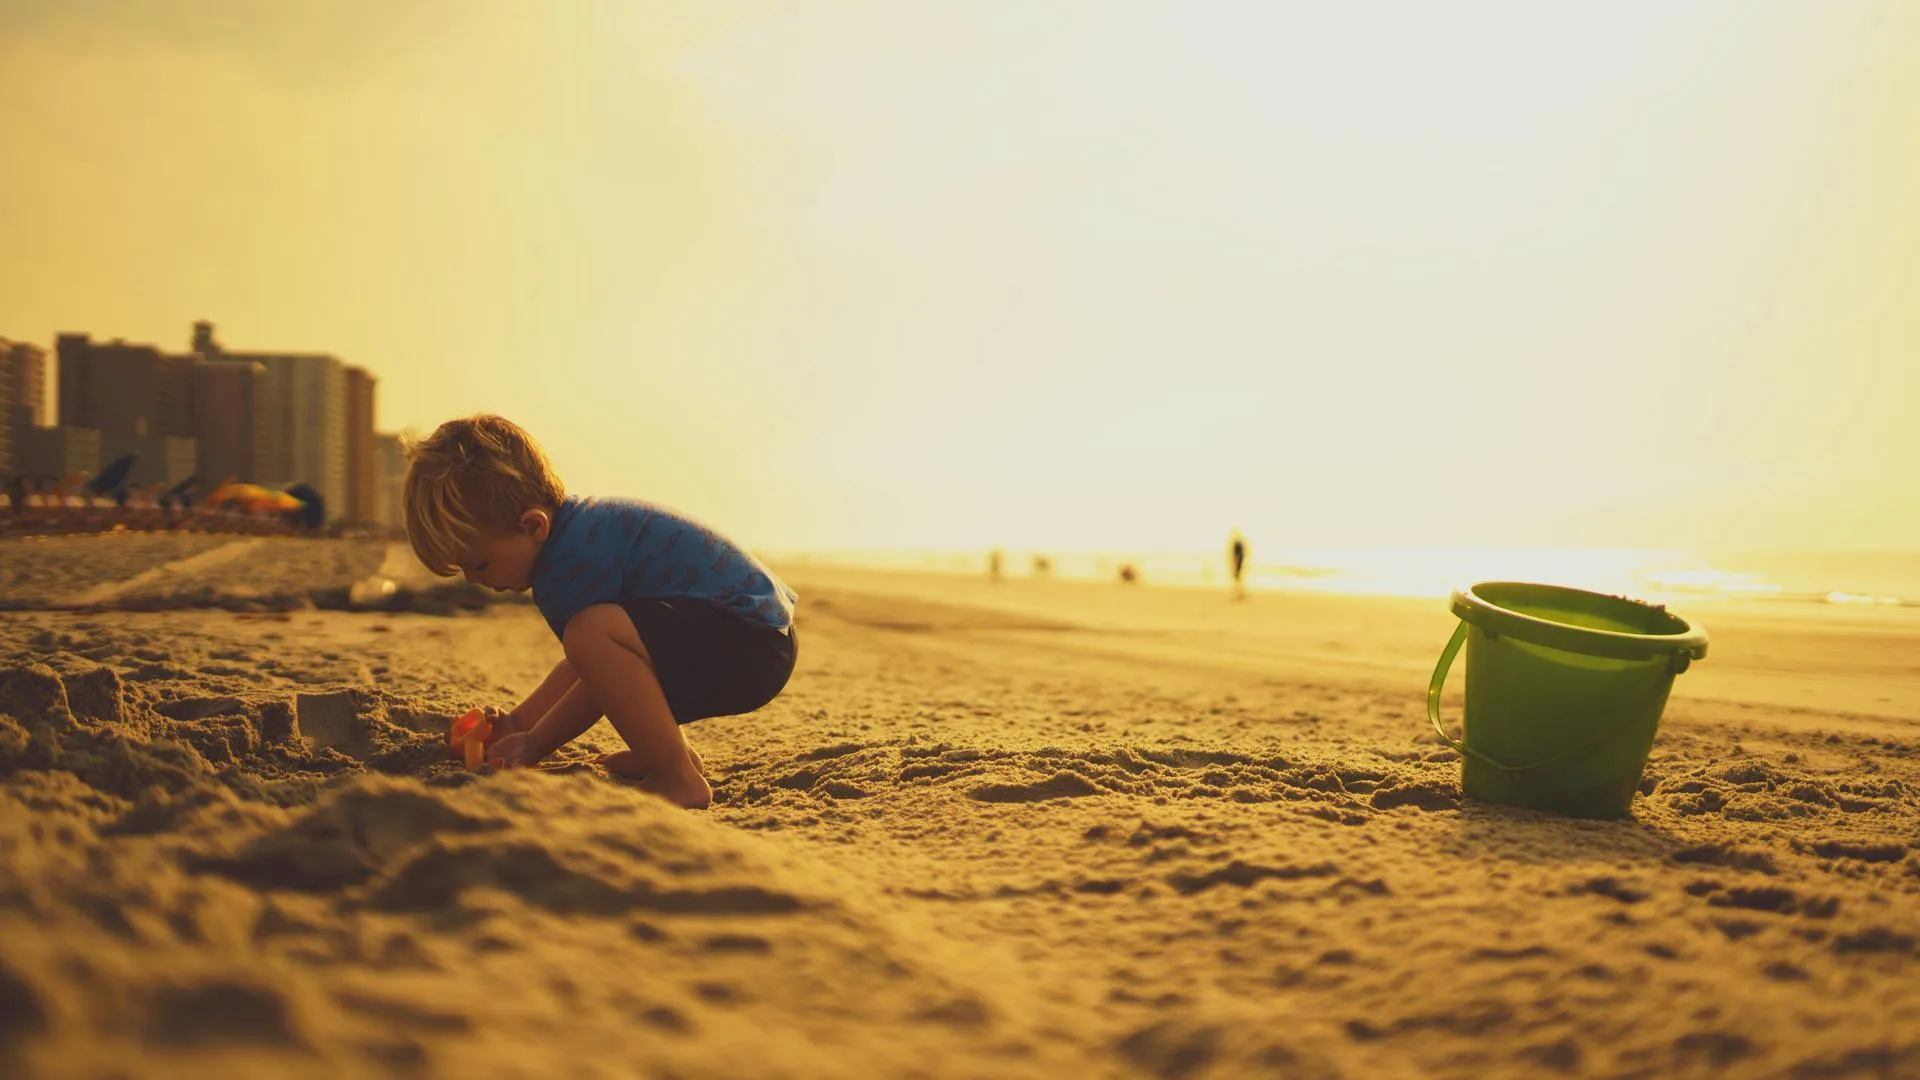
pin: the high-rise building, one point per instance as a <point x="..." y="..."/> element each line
<point x="120" y="389"/>
<point x="268" y="418"/>
<point x="390" y="509"/>
<point x="23" y="367"/>
<point x="229" y="411"/>
<point x="6" y="414"/>
<point x="306" y="423"/>
<point x="301" y="418"/>
<point x="23" y="397"/>
<point x="58" y="452"/>
<point x="158" y="459"/>
<point x="138" y="398"/>
<point x="362" y="466"/>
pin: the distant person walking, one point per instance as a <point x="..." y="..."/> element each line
<point x="1237" y="562"/>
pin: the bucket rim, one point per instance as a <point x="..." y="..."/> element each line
<point x="1472" y="607"/>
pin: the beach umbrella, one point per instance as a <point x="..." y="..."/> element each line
<point x="313" y="511"/>
<point x="181" y="493"/>
<point x="113" y="478"/>
<point x="247" y="496"/>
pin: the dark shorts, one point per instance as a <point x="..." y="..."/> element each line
<point x="710" y="661"/>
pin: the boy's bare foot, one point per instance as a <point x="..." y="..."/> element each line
<point x="626" y="763"/>
<point x="692" y="795"/>
<point x="692" y="792"/>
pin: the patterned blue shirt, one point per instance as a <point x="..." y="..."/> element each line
<point x="603" y="551"/>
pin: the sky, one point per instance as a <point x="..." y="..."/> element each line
<point x="1112" y="276"/>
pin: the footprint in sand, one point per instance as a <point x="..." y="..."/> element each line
<point x="1061" y="785"/>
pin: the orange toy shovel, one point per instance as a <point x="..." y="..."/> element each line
<point x="457" y="731"/>
<point x="468" y="737"/>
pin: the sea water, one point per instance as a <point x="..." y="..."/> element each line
<point x="1860" y="579"/>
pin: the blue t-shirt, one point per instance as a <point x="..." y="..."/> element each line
<point x="603" y="551"/>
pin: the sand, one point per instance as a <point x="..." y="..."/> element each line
<point x="1025" y="829"/>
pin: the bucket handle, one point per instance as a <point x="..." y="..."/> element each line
<point x="1433" y="715"/>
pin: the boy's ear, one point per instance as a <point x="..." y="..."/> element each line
<point x="536" y="522"/>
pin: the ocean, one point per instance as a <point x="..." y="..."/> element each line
<point x="1857" y="579"/>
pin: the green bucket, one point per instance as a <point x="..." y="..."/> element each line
<point x="1564" y="693"/>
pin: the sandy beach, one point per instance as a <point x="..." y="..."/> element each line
<point x="1025" y="829"/>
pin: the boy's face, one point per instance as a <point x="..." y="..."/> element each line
<point x="503" y="561"/>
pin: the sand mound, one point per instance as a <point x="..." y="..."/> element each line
<point x="130" y="739"/>
<point x="180" y="880"/>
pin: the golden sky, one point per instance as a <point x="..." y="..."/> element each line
<point x="1103" y="275"/>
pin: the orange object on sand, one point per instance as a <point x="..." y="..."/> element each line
<point x="476" y="748"/>
<point x="467" y="737"/>
<point x="457" y="732"/>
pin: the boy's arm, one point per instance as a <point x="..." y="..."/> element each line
<point x="528" y="713"/>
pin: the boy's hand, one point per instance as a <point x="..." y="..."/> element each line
<point x="512" y="752"/>
<point x="501" y="724"/>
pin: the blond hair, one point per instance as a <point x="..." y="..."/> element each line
<point x="478" y="472"/>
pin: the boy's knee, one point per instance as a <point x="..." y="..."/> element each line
<point x="599" y="626"/>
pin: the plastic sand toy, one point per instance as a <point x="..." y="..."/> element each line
<point x="467" y="737"/>
<point x="1564" y="693"/>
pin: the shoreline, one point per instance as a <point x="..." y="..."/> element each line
<point x="1294" y="580"/>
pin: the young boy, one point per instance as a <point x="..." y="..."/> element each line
<point x="663" y="622"/>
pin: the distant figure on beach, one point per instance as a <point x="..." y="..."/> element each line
<point x="993" y="565"/>
<point x="661" y="620"/>
<point x="1128" y="575"/>
<point x="1237" y="562"/>
<point x="1042" y="566"/>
